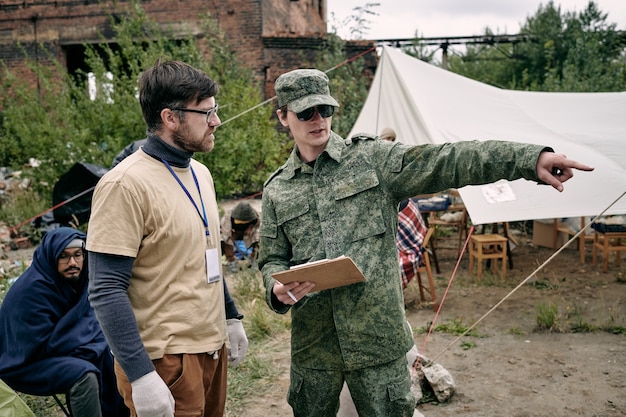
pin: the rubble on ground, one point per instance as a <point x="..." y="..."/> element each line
<point x="429" y="376"/>
<point x="12" y="181"/>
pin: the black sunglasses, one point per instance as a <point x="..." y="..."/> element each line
<point x="324" y="110"/>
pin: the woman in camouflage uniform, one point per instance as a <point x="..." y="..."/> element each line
<point x="338" y="196"/>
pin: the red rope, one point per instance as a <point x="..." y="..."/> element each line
<point x="14" y="228"/>
<point x="443" y="298"/>
<point x="354" y="58"/>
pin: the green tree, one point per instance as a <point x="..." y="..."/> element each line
<point x="595" y="59"/>
<point x="357" y="22"/>
<point x="350" y="94"/>
<point x="248" y="146"/>
<point x="60" y="125"/>
<point x="349" y="81"/>
<point x="488" y="63"/>
<point x="419" y="50"/>
<point x="563" y="52"/>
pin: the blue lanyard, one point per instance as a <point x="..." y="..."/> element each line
<point x="203" y="217"/>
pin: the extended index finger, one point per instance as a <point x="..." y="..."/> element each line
<point x="569" y="163"/>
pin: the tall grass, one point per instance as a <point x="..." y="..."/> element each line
<point x="268" y="335"/>
<point x="20" y="204"/>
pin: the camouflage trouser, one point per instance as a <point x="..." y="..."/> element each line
<point x="377" y="391"/>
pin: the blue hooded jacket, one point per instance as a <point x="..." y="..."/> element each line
<point x="49" y="335"/>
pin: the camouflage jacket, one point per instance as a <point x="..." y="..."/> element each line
<point x="347" y="204"/>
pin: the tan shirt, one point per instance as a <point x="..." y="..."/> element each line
<point x="154" y="221"/>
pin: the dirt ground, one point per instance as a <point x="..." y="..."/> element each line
<point x="511" y="368"/>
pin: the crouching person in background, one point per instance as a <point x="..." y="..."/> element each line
<point x="239" y="231"/>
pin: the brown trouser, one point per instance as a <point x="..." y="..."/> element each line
<point x="197" y="382"/>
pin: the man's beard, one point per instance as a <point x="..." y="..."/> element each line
<point x="181" y="139"/>
<point x="73" y="279"/>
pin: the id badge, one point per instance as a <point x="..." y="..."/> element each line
<point x="212" y="265"/>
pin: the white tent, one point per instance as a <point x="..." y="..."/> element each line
<point x="426" y="104"/>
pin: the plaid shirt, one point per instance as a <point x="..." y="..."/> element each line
<point x="411" y="231"/>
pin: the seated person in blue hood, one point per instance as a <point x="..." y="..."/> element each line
<point x="50" y="340"/>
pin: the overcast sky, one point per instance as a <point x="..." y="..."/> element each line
<point x="436" y="18"/>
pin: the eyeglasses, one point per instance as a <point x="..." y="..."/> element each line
<point x="209" y="113"/>
<point x="324" y="110"/>
<point x="64" y="258"/>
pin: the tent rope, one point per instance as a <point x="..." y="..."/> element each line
<point x="443" y="298"/>
<point x="269" y="100"/>
<point x="62" y="203"/>
<point x="526" y="279"/>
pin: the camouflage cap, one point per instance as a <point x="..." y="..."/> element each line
<point x="302" y="89"/>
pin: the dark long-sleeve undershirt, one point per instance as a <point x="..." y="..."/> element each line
<point x="113" y="279"/>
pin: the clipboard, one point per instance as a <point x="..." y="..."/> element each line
<point x="326" y="273"/>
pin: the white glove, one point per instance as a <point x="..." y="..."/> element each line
<point x="238" y="341"/>
<point x="151" y="397"/>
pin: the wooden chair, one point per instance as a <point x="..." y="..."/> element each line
<point x="457" y="229"/>
<point x="426" y="269"/>
<point x="445" y="231"/>
<point x="562" y="227"/>
<point x="606" y="243"/>
<point x="487" y="247"/>
<point x="502" y="229"/>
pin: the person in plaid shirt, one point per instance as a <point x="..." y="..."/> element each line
<point x="411" y="232"/>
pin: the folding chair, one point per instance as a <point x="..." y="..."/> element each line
<point x="64" y="407"/>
